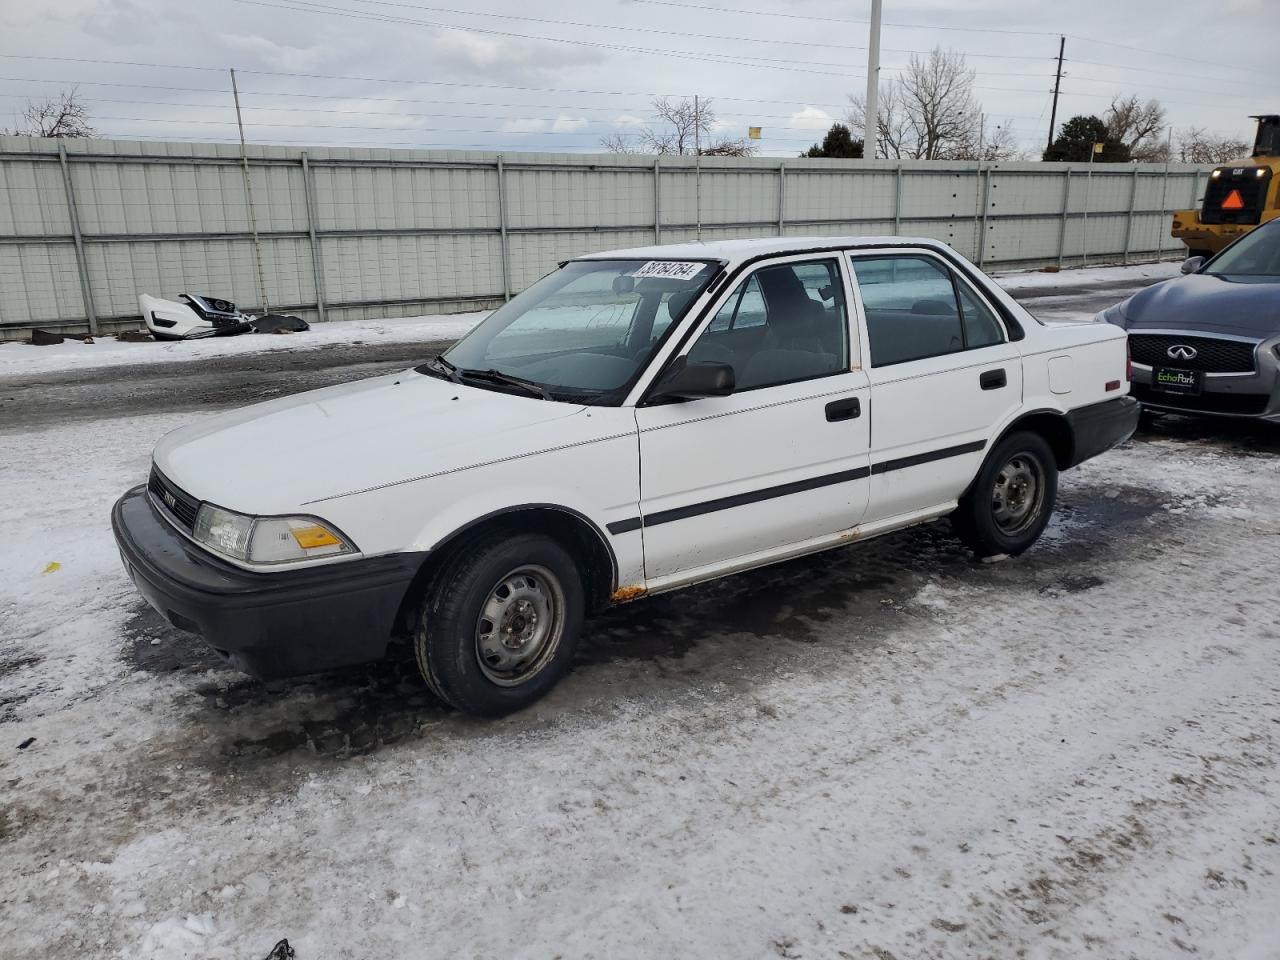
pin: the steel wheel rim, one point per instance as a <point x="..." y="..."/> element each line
<point x="520" y="625"/>
<point x="1017" y="495"/>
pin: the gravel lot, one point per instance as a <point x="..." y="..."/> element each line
<point x="885" y="751"/>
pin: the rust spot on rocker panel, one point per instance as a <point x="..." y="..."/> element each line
<point x="623" y="594"/>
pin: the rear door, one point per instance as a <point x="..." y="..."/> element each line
<point x="942" y="374"/>
<point x="727" y="481"/>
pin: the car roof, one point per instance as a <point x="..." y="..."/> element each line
<point x="735" y="251"/>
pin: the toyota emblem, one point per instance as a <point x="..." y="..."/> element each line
<point x="1181" y="351"/>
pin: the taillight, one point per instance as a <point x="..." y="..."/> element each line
<point x="1128" y="362"/>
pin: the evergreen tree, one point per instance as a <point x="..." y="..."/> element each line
<point x="838" y="142"/>
<point x="1076" y="139"/>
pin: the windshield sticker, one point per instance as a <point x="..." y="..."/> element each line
<point x="670" y="269"/>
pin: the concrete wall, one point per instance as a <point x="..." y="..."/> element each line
<point x="87" y="225"/>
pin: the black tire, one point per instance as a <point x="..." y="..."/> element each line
<point x="990" y="520"/>
<point x="540" y="616"/>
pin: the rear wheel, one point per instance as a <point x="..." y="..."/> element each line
<point x="500" y="623"/>
<point x="1010" y="502"/>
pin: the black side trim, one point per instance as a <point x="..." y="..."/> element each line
<point x="916" y="459"/>
<point x="786" y="489"/>
<point x="624" y="526"/>
<point x="739" y="500"/>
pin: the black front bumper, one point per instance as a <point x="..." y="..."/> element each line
<point x="1101" y="426"/>
<point x="269" y="625"/>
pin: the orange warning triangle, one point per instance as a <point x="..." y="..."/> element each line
<point x="1234" y="201"/>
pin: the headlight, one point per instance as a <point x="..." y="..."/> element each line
<point x="267" y="539"/>
<point x="1114" y="314"/>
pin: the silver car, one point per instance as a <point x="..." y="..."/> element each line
<point x="1208" y="342"/>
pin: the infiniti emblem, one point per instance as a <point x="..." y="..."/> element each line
<point x="1180" y="351"/>
<point x="170" y="499"/>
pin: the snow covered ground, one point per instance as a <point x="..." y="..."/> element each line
<point x="22" y="358"/>
<point x="886" y="751"/>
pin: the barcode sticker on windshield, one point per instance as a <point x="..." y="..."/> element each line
<point x="670" y="269"/>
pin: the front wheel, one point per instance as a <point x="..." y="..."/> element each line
<point x="1010" y="502"/>
<point x="500" y="624"/>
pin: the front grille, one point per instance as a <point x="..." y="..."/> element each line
<point x="1212" y="355"/>
<point x="180" y="505"/>
<point x="1240" y="404"/>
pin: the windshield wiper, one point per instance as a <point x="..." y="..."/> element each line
<point x="497" y="376"/>
<point x="442" y="366"/>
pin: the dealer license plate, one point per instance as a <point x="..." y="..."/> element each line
<point x="1172" y="380"/>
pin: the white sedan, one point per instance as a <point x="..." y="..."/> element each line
<point x="634" y="422"/>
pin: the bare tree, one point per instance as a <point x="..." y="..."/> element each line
<point x="1139" y="126"/>
<point x="680" y="127"/>
<point x="927" y="112"/>
<point x="65" y="115"/>
<point x="1197" y="145"/>
<point x="991" y="142"/>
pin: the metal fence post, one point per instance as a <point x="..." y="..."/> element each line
<point x="897" y="202"/>
<point x="317" y="258"/>
<point x="1066" y="205"/>
<point x="782" y="197"/>
<point x="82" y="266"/>
<point x="1164" y="212"/>
<point x="986" y="204"/>
<point x="1128" y="224"/>
<point x="502" y="229"/>
<point x="657" y="200"/>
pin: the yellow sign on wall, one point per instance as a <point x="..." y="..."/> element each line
<point x="753" y="133"/>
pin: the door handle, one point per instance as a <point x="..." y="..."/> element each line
<point x="847" y="409"/>
<point x="992" y="379"/>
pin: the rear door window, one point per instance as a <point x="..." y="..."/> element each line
<point x="916" y="308"/>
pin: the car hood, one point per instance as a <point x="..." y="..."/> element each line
<point x="277" y="456"/>
<point x="1243" y="306"/>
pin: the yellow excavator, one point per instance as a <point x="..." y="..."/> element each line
<point x="1238" y="197"/>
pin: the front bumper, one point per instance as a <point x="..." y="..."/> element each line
<point x="1100" y="426"/>
<point x="269" y="625"/>
<point x="1248" y="395"/>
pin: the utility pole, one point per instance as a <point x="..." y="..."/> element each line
<point x="248" y="195"/>
<point x="870" y="130"/>
<point x="1057" y="85"/>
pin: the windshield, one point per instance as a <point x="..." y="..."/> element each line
<point x="583" y="333"/>
<point x="1256" y="254"/>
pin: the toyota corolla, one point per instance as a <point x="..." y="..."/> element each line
<point x="634" y="422"/>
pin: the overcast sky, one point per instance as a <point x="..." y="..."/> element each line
<point x="536" y="75"/>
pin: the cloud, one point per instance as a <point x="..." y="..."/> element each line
<point x="810" y="118"/>
<point x="524" y="125"/>
<point x="278" y="56"/>
<point x="503" y="59"/>
<point x="565" y="124"/>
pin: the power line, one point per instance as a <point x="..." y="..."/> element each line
<point x="683" y="34"/>
<point x="304" y="6"/>
<point x="935" y="26"/>
<point x="400" y="81"/>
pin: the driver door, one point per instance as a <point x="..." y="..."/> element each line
<point x="781" y="463"/>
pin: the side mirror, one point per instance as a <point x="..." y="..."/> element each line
<point x="1192" y="264"/>
<point x="693" y="381"/>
